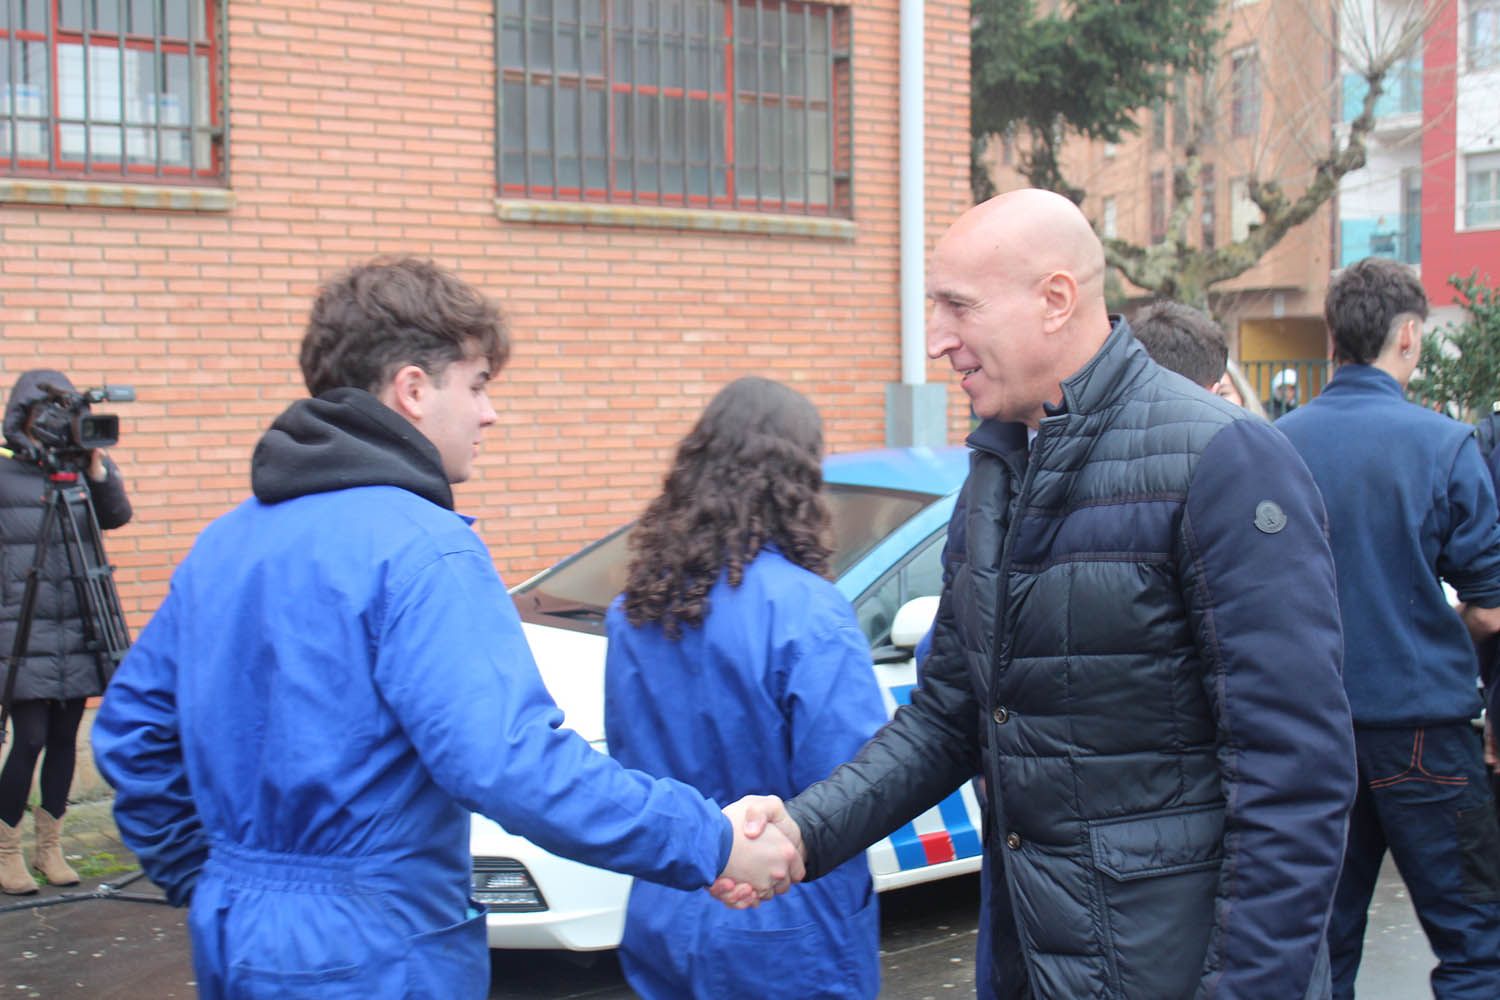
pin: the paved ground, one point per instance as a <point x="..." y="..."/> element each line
<point x="98" y="941"/>
<point x="111" y="937"/>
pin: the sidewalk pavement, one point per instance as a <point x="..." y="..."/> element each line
<point x="90" y="840"/>
<point x="106" y="945"/>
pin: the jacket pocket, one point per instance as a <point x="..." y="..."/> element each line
<point x="451" y="963"/>
<point x="1156" y="878"/>
<point x="345" y="982"/>
<point x="1479" y="851"/>
<point x="1163" y="843"/>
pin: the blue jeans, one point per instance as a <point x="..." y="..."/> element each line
<point x="1423" y="795"/>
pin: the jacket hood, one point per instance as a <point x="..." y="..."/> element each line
<point x="27" y="391"/>
<point x="343" y="439"/>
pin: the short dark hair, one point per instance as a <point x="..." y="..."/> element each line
<point x="1184" y="339"/>
<point x="1366" y="302"/>
<point x="377" y="317"/>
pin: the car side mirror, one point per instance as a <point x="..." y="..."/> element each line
<point x="913" y="621"/>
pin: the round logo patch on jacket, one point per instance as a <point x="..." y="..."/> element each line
<point x="1269" y="517"/>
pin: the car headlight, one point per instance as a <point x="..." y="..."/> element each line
<point x="504" y="885"/>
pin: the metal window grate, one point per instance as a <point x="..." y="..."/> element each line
<point x="724" y="104"/>
<point x="123" y="89"/>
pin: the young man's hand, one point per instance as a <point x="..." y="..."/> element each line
<point x="767" y="854"/>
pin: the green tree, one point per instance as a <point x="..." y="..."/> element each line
<point x="1461" y="362"/>
<point x="1084" y="69"/>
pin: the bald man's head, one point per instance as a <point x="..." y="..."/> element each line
<point x="1017" y="285"/>
<point x="1041" y="230"/>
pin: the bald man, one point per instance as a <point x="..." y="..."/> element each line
<point x="1138" y="646"/>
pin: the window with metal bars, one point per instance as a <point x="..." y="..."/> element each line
<point x="1209" y="192"/>
<point x="716" y="104"/>
<point x="111" y="89"/>
<point x="1483" y="29"/>
<point x="1158" y="206"/>
<point x="1482" y="190"/>
<point x="1244" y="85"/>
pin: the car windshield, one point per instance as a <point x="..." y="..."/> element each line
<point x="576" y="592"/>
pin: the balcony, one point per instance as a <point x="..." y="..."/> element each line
<point x="1398" y="111"/>
<point x="1398" y="237"/>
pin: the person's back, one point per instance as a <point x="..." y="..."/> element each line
<point x="1409" y="504"/>
<point x="768" y="691"/>
<point x="780" y="692"/>
<point x="289" y="739"/>
<point x="1384" y="468"/>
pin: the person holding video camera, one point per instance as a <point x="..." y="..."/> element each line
<point x="45" y="687"/>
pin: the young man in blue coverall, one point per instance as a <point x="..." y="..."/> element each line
<point x="1410" y="504"/>
<point x="337" y="677"/>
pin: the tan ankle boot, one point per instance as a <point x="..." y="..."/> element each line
<point x="49" y="857"/>
<point x="15" y="880"/>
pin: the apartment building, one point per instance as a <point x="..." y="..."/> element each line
<point x="1266" y="111"/>
<point x="1430" y="194"/>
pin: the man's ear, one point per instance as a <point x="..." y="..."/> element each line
<point x="1059" y="299"/>
<point x="406" y="392"/>
<point x="1411" y="336"/>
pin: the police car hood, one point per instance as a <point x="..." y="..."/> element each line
<point x="572" y="666"/>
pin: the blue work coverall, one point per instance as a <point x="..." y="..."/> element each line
<point x="771" y="693"/>
<point x="334" y="681"/>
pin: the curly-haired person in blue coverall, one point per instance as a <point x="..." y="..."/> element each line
<point x="337" y="677"/>
<point x="736" y="666"/>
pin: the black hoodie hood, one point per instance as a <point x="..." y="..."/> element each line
<point x="342" y="439"/>
<point x="28" y="391"/>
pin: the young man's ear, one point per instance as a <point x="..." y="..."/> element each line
<point x="1412" y="332"/>
<point x="406" y="393"/>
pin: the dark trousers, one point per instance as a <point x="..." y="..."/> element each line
<point x="1424" y="796"/>
<point x="50" y="726"/>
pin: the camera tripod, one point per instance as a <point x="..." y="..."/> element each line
<point x="68" y="509"/>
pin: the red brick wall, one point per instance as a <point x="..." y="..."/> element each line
<point x="360" y="128"/>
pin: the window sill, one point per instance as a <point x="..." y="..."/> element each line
<point x="94" y="194"/>
<point x="654" y="217"/>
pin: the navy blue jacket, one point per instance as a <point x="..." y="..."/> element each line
<point x="1410" y="504"/>
<point x="1138" y="640"/>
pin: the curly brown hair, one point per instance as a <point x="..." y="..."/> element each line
<point x="747" y="475"/>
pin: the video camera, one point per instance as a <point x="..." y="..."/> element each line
<point x="64" y="429"/>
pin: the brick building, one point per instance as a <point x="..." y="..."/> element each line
<point x="663" y="194"/>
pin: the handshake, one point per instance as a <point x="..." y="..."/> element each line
<point x="766" y="858"/>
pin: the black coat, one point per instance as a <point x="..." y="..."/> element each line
<point x="1138" y="645"/>
<point x="57" y="664"/>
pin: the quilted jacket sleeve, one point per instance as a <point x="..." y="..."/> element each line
<point x="1258" y="582"/>
<point x="918" y="758"/>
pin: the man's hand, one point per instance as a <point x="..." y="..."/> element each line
<point x="767" y="854"/>
<point x="1491" y="758"/>
<point x="1482" y="622"/>
<point x="98" y="471"/>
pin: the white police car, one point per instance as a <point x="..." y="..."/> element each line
<point x="890" y="516"/>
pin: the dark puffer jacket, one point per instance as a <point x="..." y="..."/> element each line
<point x="1139" y="647"/>
<point x="57" y="663"/>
